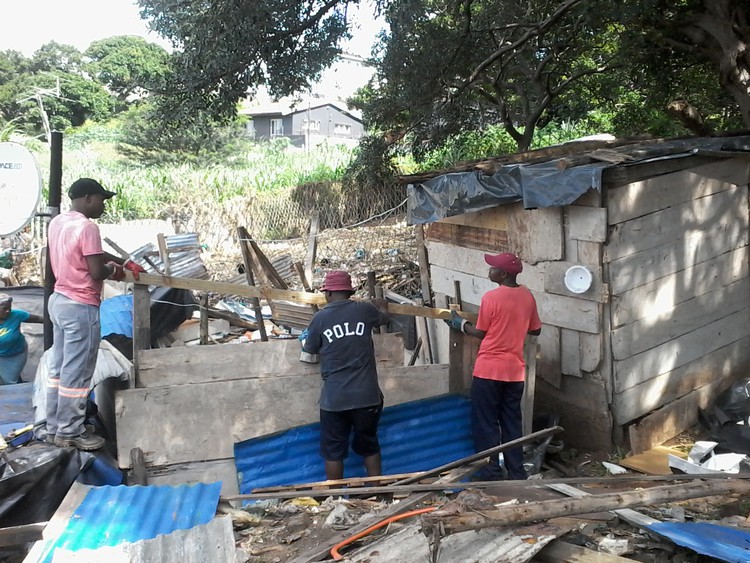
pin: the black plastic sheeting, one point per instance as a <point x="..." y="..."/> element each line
<point x="169" y="309"/>
<point x="544" y="184"/>
<point x="728" y="418"/>
<point x="33" y="482"/>
<point x="537" y="185"/>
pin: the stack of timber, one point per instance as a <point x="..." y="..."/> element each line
<point x="193" y="404"/>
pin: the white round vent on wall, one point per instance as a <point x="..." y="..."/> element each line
<point x="578" y="279"/>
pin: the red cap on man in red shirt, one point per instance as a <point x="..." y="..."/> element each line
<point x="505" y="261"/>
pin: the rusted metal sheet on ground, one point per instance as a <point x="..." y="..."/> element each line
<point x="501" y="545"/>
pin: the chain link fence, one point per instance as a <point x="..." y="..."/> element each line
<point x="358" y="232"/>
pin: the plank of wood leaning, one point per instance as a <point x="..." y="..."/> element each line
<point x="680" y="351"/>
<point x="645" y="397"/>
<point x="223" y="413"/>
<point x="660" y="192"/>
<point x="670" y="225"/>
<point x="570" y="353"/>
<point x="689" y="315"/>
<point x="659" y="296"/>
<point x="549" y="366"/>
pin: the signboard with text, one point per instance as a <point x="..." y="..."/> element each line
<point x="20" y="188"/>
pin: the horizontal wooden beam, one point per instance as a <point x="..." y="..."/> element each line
<point x="270" y="294"/>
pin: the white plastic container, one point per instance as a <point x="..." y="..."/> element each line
<point x="578" y="279"/>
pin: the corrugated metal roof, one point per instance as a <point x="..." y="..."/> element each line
<point x="185" y="262"/>
<point x="15" y="404"/>
<point x="112" y="515"/>
<point x="721" y="542"/>
<point x="207" y="543"/>
<point x="413" y="436"/>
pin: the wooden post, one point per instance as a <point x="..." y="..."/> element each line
<point x="54" y="200"/>
<point x="164" y="253"/>
<point x="424" y="265"/>
<point x="305" y="282"/>
<point x="427" y="338"/>
<point x="254" y="301"/>
<point x="371" y="291"/>
<point x="527" y="402"/>
<point x="204" y="319"/>
<point x="141" y="324"/>
<point x="380" y="295"/>
<point x="312" y="244"/>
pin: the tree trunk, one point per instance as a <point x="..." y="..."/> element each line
<point x="721" y="33"/>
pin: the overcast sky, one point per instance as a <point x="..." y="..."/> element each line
<point x="29" y="24"/>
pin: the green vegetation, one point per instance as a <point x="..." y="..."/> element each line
<point x="158" y="191"/>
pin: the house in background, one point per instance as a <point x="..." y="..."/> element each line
<point x="307" y="123"/>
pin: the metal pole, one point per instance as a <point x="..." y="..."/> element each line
<point x="54" y="200"/>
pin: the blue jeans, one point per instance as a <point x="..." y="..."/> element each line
<point x="76" y="334"/>
<point x="12" y="366"/>
<point x="496" y="419"/>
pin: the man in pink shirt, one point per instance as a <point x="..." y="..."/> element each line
<point x="506" y="315"/>
<point x="80" y="267"/>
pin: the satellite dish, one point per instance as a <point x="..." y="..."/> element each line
<point x="20" y="188"/>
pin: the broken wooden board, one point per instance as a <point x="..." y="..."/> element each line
<point x="223" y="470"/>
<point x="203" y="421"/>
<point x="224" y="362"/>
<point x="535" y="235"/>
<point x="652" y="462"/>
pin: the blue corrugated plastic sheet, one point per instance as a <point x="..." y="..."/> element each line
<point x="414" y="436"/>
<point x="113" y="515"/>
<point x="116" y="315"/>
<point x="721" y="542"/>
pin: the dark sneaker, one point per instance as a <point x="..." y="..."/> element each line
<point x="488" y="472"/>
<point x="87" y="441"/>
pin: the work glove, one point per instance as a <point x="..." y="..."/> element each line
<point x="455" y="322"/>
<point x="118" y="273"/>
<point x="134" y="267"/>
<point x="302" y="337"/>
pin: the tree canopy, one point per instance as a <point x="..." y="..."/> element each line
<point x="227" y="49"/>
<point x="128" y="65"/>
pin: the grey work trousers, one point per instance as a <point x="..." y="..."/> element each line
<point x="76" y="335"/>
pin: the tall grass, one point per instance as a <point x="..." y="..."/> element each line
<point x="265" y="169"/>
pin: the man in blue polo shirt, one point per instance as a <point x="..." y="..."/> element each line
<point x="350" y="398"/>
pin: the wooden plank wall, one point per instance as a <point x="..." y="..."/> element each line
<point x="199" y="401"/>
<point x="678" y="262"/>
<point x="548" y="241"/>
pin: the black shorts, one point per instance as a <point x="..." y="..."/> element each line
<point x="336" y="427"/>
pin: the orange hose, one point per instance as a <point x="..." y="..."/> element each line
<point x="335" y="549"/>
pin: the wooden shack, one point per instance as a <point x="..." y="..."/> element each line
<point x="662" y="227"/>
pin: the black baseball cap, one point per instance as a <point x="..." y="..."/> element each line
<point x="86" y="186"/>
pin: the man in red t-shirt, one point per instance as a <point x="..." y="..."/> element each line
<point x="506" y="315"/>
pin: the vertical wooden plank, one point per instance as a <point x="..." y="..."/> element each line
<point x="164" y="253"/>
<point x="247" y="259"/>
<point x="141" y="323"/>
<point x="570" y="352"/>
<point x="312" y="244"/>
<point x="204" y="320"/>
<point x="591" y="351"/>
<point x="530" y="350"/>
<point x="548" y="364"/>
<point x="424" y="265"/>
